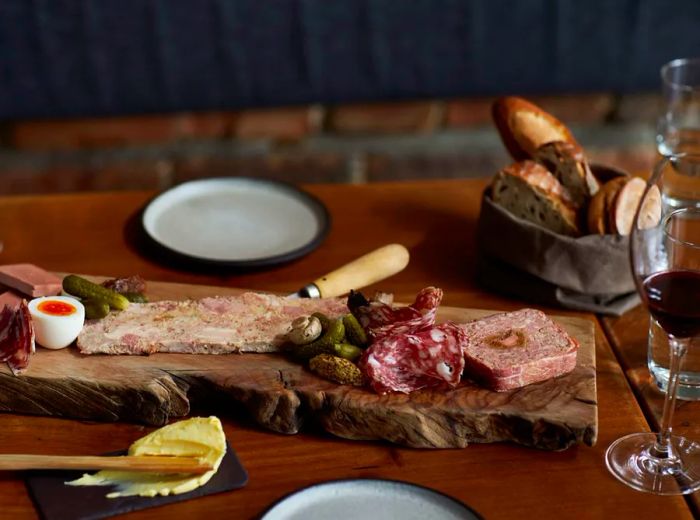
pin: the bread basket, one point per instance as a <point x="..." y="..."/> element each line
<point x="523" y="259"/>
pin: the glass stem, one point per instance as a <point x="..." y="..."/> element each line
<point x="678" y="347"/>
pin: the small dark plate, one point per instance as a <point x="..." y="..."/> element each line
<point x="236" y="221"/>
<point x="56" y="501"/>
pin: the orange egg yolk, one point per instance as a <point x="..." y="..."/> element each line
<point x="57" y="308"/>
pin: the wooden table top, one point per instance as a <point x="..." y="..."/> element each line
<point x="436" y="221"/>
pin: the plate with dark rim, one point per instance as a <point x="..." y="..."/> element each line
<point x="360" y="499"/>
<point x="236" y="221"/>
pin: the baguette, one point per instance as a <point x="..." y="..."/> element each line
<point x="525" y="127"/>
<point x="530" y="192"/>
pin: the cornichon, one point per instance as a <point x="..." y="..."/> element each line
<point x="135" y="297"/>
<point x="333" y="334"/>
<point x="354" y="331"/>
<point x="325" y="320"/>
<point x="95" y="309"/>
<point x="87" y="290"/>
<point x="347" y="351"/>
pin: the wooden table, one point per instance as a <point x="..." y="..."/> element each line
<point x="436" y="221"/>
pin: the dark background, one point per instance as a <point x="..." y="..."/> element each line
<point x="92" y="58"/>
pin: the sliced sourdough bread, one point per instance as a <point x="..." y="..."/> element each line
<point x="514" y="349"/>
<point x="568" y="164"/>
<point x="530" y="192"/>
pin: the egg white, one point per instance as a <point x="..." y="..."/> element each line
<point x="52" y="331"/>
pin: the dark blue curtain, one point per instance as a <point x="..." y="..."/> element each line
<point x="87" y="57"/>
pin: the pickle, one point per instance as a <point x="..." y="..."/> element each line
<point x="354" y="332"/>
<point x="325" y="320"/>
<point x="135" y="297"/>
<point x="95" y="309"/>
<point x="336" y="369"/>
<point x="347" y="351"/>
<point x="325" y="344"/>
<point x="87" y="290"/>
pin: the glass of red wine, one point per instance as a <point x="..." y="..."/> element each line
<point x="665" y="257"/>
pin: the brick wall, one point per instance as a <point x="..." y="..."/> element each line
<point x="353" y="143"/>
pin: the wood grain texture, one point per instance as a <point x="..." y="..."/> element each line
<point x="283" y="396"/>
<point x="628" y="335"/>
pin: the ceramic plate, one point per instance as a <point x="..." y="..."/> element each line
<point x="236" y="221"/>
<point x="360" y="499"/>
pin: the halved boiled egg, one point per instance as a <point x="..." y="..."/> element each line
<point x="57" y="320"/>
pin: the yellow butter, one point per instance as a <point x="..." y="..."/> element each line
<point x="201" y="437"/>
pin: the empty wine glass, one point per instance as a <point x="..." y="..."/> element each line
<point x="678" y="127"/>
<point x="665" y="257"/>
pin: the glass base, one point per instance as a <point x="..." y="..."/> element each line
<point x="634" y="460"/>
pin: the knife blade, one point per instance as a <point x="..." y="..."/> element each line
<point x="361" y="272"/>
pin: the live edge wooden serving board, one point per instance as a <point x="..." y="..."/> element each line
<point x="283" y="396"/>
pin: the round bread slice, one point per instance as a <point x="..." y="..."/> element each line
<point x="598" y="208"/>
<point x="530" y="192"/>
<point x="524" y="127"/>
<point x="567" y="163"/>
<point x="650" y="213"/>
<point x="626" y="203"/>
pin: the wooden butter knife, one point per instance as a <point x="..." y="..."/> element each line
<point x="366" y="270"/>
<point x="151" y="464"/>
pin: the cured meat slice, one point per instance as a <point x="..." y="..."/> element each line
<point x="380" y="319"/>
<point x="16" y="337"/>
<point x="431" y="358"/>
<point x="250" y="322"/>
<point x="30" y="279"/>
<point x="513" y="349"/>
<point x="129" y="284"/>
<point x="10" y="298"/>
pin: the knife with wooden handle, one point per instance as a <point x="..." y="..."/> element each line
<point x="366" y="270"/>
<point x="151" y="464"/>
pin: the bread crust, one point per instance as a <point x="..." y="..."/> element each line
<point x="599" y="207"/>
<point x="524" y="127"/>
<point x="529" y="191"/>
<point x="626" y="203"/>
<point x="567" y="162"/>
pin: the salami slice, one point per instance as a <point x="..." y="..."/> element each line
<point x="380" y="319"/>
<point x="431" y="358"/>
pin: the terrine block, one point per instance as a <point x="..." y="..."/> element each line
<point x="514" y="349"/>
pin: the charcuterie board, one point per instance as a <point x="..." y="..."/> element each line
<point x="284" y="397"/>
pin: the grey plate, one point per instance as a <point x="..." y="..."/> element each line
<point x="236" y="221"/>
<point x="360" y="499"/>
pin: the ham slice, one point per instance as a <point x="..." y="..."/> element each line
<point x="10" y="298"/>
<point x="16" y="337"/>
<point x="30" y="280"/>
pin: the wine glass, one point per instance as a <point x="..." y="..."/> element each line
<point x="665" y="257"/>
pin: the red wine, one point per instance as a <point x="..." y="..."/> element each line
<point x="674" y="300"/>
